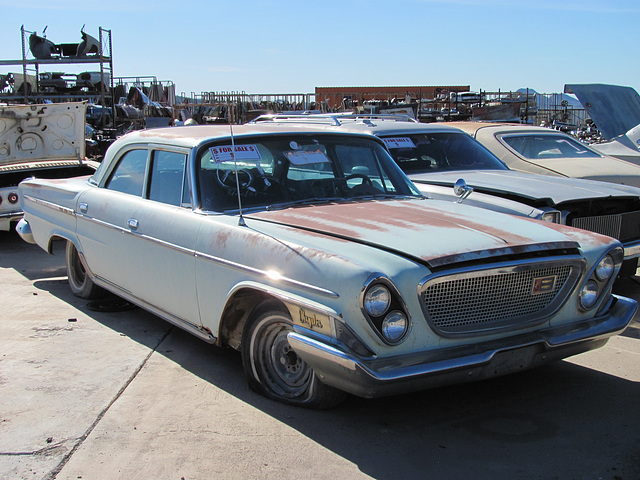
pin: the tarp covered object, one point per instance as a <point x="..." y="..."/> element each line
<point x="614" y="109"/>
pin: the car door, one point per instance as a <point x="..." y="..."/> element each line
<point x="141" y="231"/>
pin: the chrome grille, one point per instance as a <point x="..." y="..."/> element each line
<point x="478" y="301"/>
<point x="623" y="226"/>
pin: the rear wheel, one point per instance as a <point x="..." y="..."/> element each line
<point x="81" y="285"/>
<point x="274" y="369"/>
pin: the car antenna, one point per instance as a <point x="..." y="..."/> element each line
<point x="235" y="166"/>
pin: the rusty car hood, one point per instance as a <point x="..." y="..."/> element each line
<point x="434" y="232"/>
<point x="49" y="132"/>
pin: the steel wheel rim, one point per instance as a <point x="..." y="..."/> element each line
<point x="277" y="364"/>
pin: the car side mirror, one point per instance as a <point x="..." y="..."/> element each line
<point x="461" y="189"/>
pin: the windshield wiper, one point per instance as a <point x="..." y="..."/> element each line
<point x="383" y="196"/>
<point x="303" y="202"/>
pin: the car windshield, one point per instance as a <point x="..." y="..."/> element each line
<point x="437" y="152"/>
<point x="538" y="146"/>
<point x="277" y="171"/>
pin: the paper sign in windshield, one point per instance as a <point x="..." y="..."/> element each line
<point x="399" y="142"/>
<point x="243" y="152"/>
<point x="302" y="157"/>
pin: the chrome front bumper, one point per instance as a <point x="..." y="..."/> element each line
<point x="379" y="377"/>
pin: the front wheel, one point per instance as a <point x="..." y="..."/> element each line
<point x="81" y="285"/>
<point x="274" y="369"/>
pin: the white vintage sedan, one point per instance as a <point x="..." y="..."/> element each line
<point x="312" y="254"/>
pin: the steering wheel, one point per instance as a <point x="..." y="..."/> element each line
<point x="228" y="178"/>
<point x="365" y="179"/>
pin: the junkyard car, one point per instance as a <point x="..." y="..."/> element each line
<point x="45" y="141"/>
<point x="532" y="149"/>
<point x="436" y="157"/>
<point x="312" y="254"/>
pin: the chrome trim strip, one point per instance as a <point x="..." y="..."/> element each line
<point x="102" y="223"/>
<point x="256" y="271"/>
<point x="128" y="231"/>
<point x="172" y="319"/>
<point x="11" y="215"/>
<point x="103" y="281"/>
<point x="55" y="206"/>
<point x="212" y="258"/>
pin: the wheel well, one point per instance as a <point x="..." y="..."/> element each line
<point x="52" y="240"/>
<point x="240" y="308"/>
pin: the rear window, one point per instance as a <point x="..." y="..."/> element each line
<point x="548" y="146"/>
<point x="438" y="152"/>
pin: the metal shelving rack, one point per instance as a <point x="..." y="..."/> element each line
<point x="32" y="67"/>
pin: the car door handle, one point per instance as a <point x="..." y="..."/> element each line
<point x="133" y="223"/>
<point x="83" y="207"/>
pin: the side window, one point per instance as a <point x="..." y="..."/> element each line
<point x="167" y="177"/>
<point x="186" y="193"/>
<point x="128" y="177"/>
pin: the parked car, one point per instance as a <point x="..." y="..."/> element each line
<point x="437" y="157"/>
<point x="532" y="149"/>
<point x="45" y="141"/>
<point x="313" y="254"/>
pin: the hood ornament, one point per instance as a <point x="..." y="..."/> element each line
<point x="461" y="189"/>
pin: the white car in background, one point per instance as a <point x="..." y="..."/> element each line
<point x="447" y="164"/>
<point x="541" y="150"/>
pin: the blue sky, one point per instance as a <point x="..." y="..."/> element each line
<point x="293" y="46"/>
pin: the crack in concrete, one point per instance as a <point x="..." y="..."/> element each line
<point x="52" y="449"/>
<point x="54" y="473"/>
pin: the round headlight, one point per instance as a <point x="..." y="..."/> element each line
<point x="394" y="326"/>
<point x="377" y="300"/>
<point x="604" y="270"/>
<point x="589" y="294"/>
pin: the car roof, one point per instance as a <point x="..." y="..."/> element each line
<point x="377" y="124"/>
<point x="381" y="127"/>
<point x="192" y="136"/>
<point x="473" y="127"/>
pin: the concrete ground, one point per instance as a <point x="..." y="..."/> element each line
<point x="97" y="394"/>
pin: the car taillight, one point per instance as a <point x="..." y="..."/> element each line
<point x="13" y="197"/>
